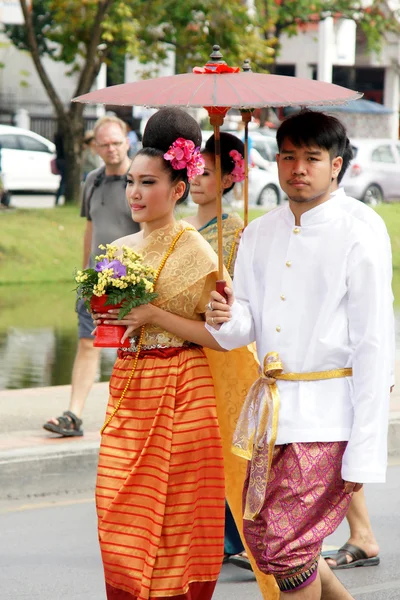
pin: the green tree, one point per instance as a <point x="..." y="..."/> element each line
<point x="85" y="33"/>
<point x="192" y="27"/>
<point x="78" y="33"/>
<point x="288" y="16"/>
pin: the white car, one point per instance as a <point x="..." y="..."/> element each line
<point x="264" y="189"/>
<point x="373" y="175"/>
<point x="25" y="161"/>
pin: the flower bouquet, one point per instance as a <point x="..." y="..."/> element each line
<point x="119" y="279"/>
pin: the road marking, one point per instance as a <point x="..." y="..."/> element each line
<point x="378" y="587"/>
<point x="26" y="507"/>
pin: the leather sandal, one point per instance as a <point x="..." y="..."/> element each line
<point x="358" y="558"/>
<point x="68" y="425"/>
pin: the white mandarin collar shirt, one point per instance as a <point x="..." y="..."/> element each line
<point x="377" y="226"/>
<point x="317" y="294"/>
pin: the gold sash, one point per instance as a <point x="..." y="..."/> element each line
<point x="257" y="419"/>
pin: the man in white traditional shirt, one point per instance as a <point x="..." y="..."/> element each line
<point x="311" y="291"/>
<point x="362" y="548"/>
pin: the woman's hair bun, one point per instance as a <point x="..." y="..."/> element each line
<point x="166" y="125"/>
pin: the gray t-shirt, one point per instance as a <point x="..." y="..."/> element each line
<point x="104" y="203"/>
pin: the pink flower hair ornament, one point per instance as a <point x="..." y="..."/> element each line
<point x="183" y="154"/>
<point x="238" y="170"/>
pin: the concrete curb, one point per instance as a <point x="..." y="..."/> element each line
<point x="44" y="471"/>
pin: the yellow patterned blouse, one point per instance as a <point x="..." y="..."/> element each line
<point x="186" y="280"/>
<point x="232" y="227"/>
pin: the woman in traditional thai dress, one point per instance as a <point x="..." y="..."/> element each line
<point x="233" y="372"/>
<point x="160" y="486"/>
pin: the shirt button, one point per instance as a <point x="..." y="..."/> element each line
<point x="278" y="328"/>
<point x="288" y="263"/>
<point x="283" y="297"/>
<point x="296" y="230"/>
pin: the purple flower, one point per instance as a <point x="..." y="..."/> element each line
<point x="118" y="268"/>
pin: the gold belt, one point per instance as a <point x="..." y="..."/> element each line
<point x="257" y="418"/>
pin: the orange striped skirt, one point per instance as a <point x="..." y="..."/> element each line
<point x="160" y="483"/>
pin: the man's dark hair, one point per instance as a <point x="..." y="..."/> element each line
<point x="347" y="156"/>
<point x="309" y="128"/>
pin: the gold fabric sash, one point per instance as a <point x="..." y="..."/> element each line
<point x="259" y="417"/>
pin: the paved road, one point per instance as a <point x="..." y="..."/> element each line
<point x="49" y="551"/>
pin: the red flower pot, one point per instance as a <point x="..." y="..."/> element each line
<point x="107" y="336"/>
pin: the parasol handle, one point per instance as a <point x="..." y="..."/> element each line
<point x="220" y="288"/>
<point x="218" y="176"/>
<point x="246" y="118"/>
<point x="246" y="175"/>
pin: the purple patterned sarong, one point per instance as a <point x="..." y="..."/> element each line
<point x="304" y="503"/>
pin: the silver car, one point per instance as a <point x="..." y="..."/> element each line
<point x="373" y="175"/>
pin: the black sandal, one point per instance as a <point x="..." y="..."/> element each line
<point x="68" y="425"/>
<point x="240" y="561"/>
<point x="358" y="558"/>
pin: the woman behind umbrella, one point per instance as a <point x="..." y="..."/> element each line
<point x="204" y="194"/>
<point x="160" y="486"/>
<point x="233" y="372"/>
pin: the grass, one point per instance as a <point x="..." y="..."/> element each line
<point x="30" y="306"/>
<point x="44" y="246"/>
<point x="390" y="213"/>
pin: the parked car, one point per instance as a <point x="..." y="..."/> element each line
<point x="264" y="188"/>
<point x="264" y="144"/>
<point x="373" y="175"/>
<point x="25" y="161"/>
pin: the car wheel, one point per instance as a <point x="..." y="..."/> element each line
<point x="269" y="197"/>
<point x="373" y="195"/>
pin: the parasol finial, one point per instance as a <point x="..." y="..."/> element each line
<point x="246" y="66"/>
<point x="216" y="56"/>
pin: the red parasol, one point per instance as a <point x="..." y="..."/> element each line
<point x="218" y="87"/>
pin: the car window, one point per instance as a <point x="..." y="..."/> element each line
<point x="383" y="154"/>
<point x="355" y="150"/>
<point x="398" y="149"/>
<point x="29" y="143"/>
<point x="272" y="147"/>
<point x="9" y="141"/>
<point x="261" y="148"/>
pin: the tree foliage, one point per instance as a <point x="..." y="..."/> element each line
<point x="191" y="27"/>
<point x="85" y="33"/>
<point x="64" y="29"/>
<point x="374" y="18"/>
<point x="145" y="29"/>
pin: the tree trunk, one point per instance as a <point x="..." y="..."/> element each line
<point x="71" y="126"/>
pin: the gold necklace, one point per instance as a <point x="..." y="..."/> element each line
<point x="142" y="329"/>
